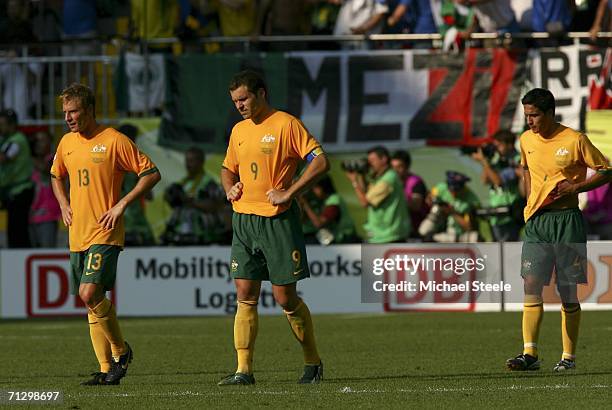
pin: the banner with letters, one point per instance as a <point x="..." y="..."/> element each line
<point x="351" y="100"/>
<point x="344" y="279"/>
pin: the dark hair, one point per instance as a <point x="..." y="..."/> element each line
<point x="403" y="156"/>
<point x="197" y="151"/>
<point x="82" y="93"/>
<point x="252" y="80"/>
<point x="380" y="151"/>
<point x="130" y="131"/>
<point x="10" y="115"/>
<point x="504" y="136"/>
<point x="326" y="185"/>
<point x="541" y="98"/>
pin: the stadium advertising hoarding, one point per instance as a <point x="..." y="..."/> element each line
<point x="349" y="99"/>
<point x="195" y="281"/>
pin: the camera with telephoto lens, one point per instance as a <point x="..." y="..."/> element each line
<point x="355" y="165"/>
<point x="488" y="150"/>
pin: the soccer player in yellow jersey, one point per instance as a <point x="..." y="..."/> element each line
<point x="94" y="158"/>
<point x="555" y="159"/>
<point x="257" y="175"/>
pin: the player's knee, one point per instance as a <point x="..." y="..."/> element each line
<point x="89" y="297"/>
<point x="288" y="302"/>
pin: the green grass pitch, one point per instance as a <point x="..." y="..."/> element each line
<point x="412" y="360"/>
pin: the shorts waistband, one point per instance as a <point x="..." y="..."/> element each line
<point x="553" y="211"/>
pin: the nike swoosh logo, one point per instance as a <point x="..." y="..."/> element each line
<point x="530" y="152"/>
<point x="297" y="272"/>
<point x="89" y="273"/>
<point x="68" y="153"/>
<point x="240" y="143"/>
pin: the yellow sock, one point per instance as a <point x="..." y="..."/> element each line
<point x="301" y="325"/>
<point x="100" y="344"/>
<point x="107" y="319"/>
<point x="570" y="324"/>
<point x="246" y="324"/>
<point x="533" y="312"/>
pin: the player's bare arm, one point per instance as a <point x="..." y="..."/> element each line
<point x="231" y="185"/>
<point x="314" y="170"/>
<point x="109" y="219"/>
<point x="566" y="187"/>
<point x="59" y="190"/>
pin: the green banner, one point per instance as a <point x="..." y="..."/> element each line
<point x="198" y="108"/>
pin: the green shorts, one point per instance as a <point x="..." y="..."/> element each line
<point x="555" y="240"/>
<point x="269" y="248"/>
<point x="98" y="264"/>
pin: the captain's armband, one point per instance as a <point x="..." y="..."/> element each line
<point x="313" y="154"/>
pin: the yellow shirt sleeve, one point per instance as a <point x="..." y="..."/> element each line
<point x="58" y="168"/>
<point x="592" y="157"/>
<point x="303" y="142"/>
<point x="231" y="159"/>
<point x="130" y="159"/>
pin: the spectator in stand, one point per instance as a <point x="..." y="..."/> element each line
<point x="324" y="14"/>
<point x="492" y="16"/>
<point x="604" y="10"/>
<point x="418" y="14"/>
<point x="16" y="188"/>
<point x="80" y="23"/>
<point x="457" y="20"/>
<point x="16" y="30"/>
<point x="237" y="18"/>
<point x="361" y="17"/>
<point x="285" y="18"/>
<point x="333" y="222"/>
<point x="399" y="17"/>
<point x="415" y="190"/>
<point x="554" y="17"/>
<point x="154" y="19"/>
<point x="138" y="232"/>
<point x="45" y="211"/>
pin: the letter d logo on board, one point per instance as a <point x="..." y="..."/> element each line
<point x="48" y="287"/>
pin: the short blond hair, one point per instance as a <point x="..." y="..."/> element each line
<point x="80" y="92"/>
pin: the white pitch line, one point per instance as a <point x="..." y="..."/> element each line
<point x="343" y="390"/>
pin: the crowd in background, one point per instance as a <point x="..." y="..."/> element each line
<point x="30" y="21"/>
<point x="398" y="203"/>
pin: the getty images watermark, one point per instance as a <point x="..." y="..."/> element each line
<point x="431" y="274"/>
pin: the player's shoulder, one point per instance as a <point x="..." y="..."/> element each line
<point x="526" y="136"/>
<point x="69" y="138"/>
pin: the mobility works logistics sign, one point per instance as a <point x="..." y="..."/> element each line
<point x="195" y="281"/>
<point x="172" y="282"/>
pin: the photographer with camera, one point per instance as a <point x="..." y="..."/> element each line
<point x="452" y="214"/>
<point x="501" y="172"/>
<point x="380" y="190"/>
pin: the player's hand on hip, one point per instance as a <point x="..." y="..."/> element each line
<point x="66" y="215"/>
<point x="235" y="192"/>
<point x="277" y="197"/>
<point x="109" y="219"/>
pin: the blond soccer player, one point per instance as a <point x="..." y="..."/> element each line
<point x="94" y="158"/>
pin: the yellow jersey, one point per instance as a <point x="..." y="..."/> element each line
<point x="266" y="156"/>
<point x="566" y="155"/>
<point x="95" y="168"/>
